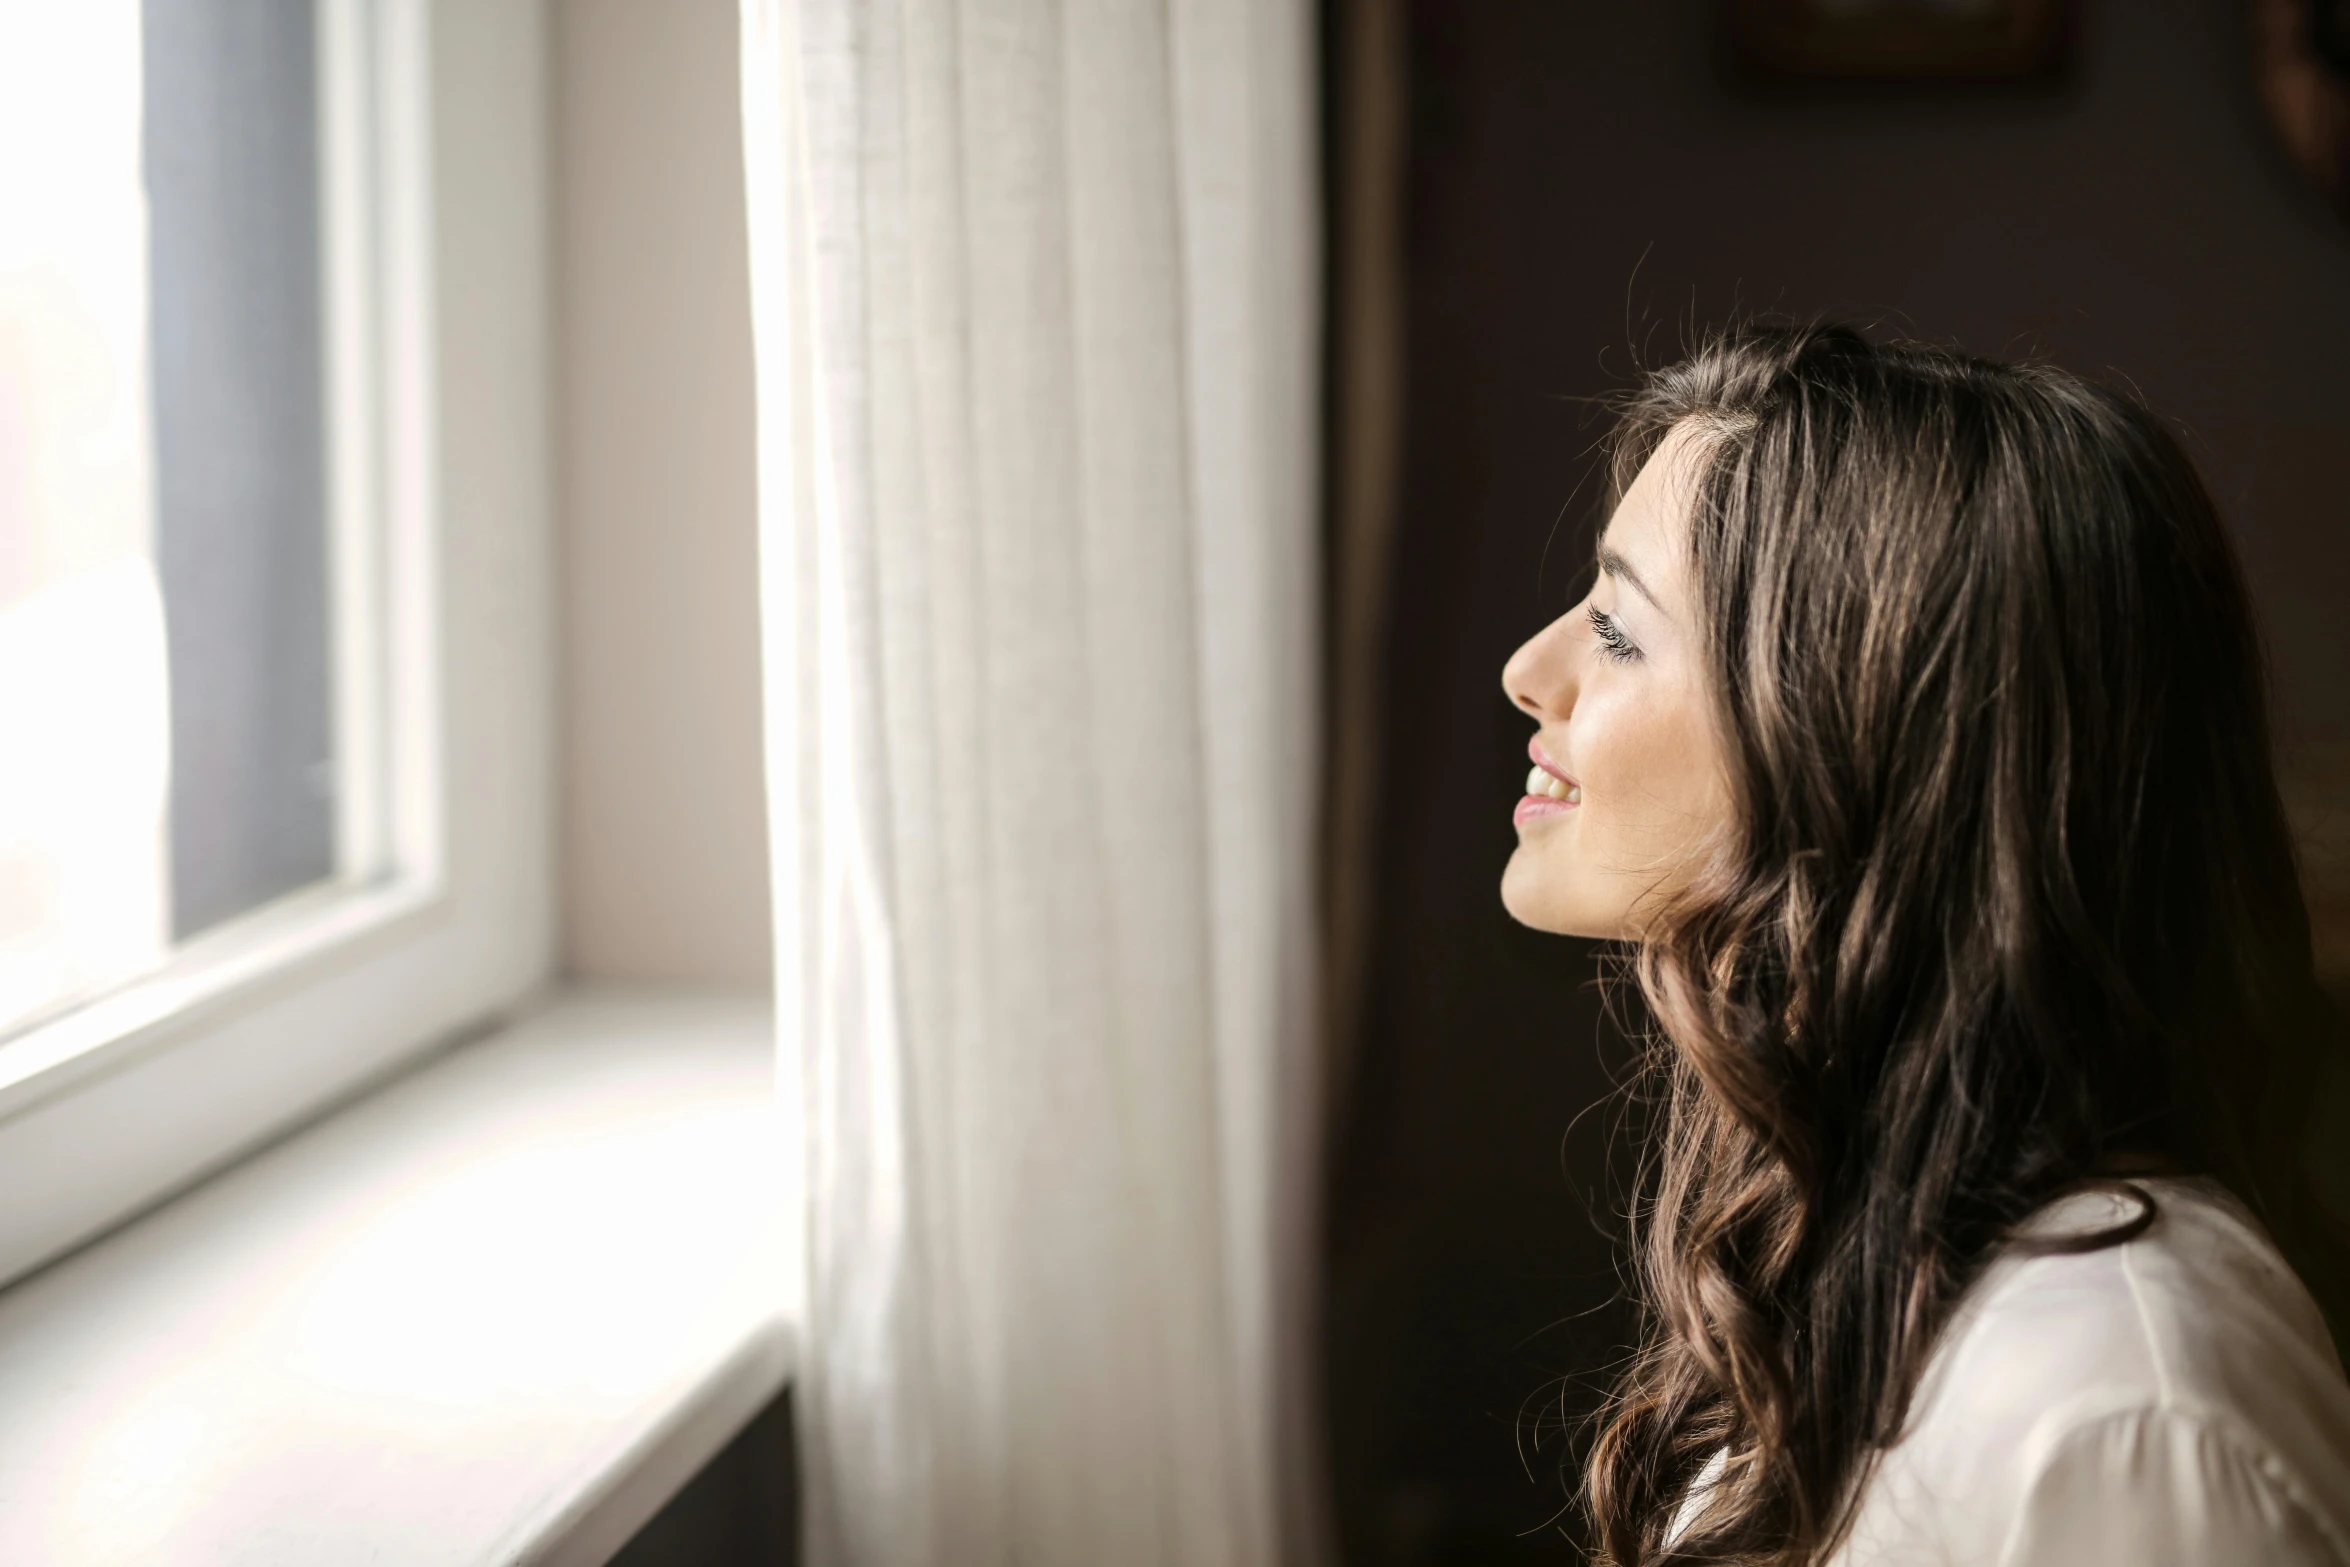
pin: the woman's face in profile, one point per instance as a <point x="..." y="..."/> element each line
<point x="1628" y="791"/>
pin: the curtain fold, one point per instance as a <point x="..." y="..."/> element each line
<point x="1034" y="288"/>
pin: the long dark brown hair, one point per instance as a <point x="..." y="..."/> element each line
<point x="2010" y="907"/>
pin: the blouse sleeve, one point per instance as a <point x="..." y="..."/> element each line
<point x="2163" y="1488"/>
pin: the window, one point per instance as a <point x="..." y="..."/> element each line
<point x="273" y="795"/>
<point x="165" y="668"/>
<point x="238" y="356"/>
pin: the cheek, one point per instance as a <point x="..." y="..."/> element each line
<point x="1655" y="797"/>
<point x="1653" y="781"/>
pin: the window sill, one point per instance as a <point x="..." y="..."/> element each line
<point x="498" y="1311"/>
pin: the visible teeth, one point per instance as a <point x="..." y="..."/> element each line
<point x="1540" y="782"/>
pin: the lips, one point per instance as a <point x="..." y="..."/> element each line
<point x="1549" y="791"/>
<point x="1547" y="780"/>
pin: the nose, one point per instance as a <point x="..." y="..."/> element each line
<point x="1539" y="678"/>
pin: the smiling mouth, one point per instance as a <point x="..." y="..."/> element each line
<point x="1549" y="792"/>
<point x="1545" y="781"/>
<point x="1549" y="786"/>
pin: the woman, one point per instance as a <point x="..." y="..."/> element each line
<point x="1913" y="736"/>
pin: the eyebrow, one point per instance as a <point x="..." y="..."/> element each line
<point x="1619" y="568"/>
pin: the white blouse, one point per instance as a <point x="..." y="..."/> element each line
<point x="2170" y="1402"/>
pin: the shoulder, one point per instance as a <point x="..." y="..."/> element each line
<point x="2157" y="1484"/>
<point x="2183" y="1379"/>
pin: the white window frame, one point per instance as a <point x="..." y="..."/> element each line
<point x="433" y="152"/>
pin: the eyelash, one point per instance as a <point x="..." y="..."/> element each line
<point x="1612" y="641"/>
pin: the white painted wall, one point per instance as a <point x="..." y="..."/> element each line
<point x="664" y="838"/>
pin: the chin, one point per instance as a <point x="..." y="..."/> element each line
<point x="1535" y="898"/>
<point x="1550" y="897"/>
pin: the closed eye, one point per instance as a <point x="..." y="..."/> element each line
<point x="1612" y="641"/>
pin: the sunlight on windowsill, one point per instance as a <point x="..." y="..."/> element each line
<point x="497" y="1311"/>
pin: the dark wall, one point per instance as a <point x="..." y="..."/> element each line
<point x="1585" y="181"/>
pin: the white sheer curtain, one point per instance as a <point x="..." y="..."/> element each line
<point x="1034" y="285"/>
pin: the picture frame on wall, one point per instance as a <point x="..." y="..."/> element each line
<point x="1901" y="40"/>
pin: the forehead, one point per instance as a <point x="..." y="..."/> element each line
<point x="1651" y="523"/>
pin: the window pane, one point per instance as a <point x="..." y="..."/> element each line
<point x="83" y="729"/>
<point x="240" y="536"/>
<point x="166" y="722"/>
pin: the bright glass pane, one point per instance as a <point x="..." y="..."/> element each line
<point x="165" y="684"/>
<point x="84" y="890"/>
